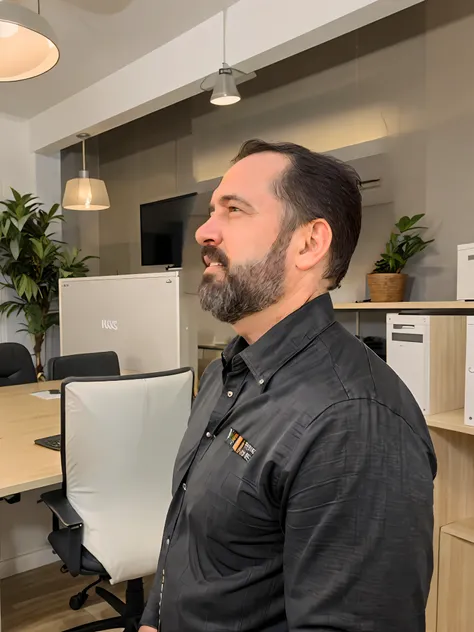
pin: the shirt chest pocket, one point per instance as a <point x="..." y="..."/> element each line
<point x="238" y="515"/>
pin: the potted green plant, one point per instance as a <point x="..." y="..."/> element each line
<point x="387" y="282"/>
<point x="31" y="263"/>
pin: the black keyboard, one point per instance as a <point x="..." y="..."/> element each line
<point x="53" y="442"/>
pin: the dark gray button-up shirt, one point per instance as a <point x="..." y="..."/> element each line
<point x="302" y="493"/>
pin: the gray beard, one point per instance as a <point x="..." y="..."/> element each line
<point x="246" y="288"/>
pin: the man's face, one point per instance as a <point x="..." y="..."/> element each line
<point x="243" y="246"/>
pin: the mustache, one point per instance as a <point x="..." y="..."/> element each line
<point x="214" y="255"/>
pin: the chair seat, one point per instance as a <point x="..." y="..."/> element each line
<point x="90" y="565"/>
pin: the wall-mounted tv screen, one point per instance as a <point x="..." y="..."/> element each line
<point x="162" y="228"/>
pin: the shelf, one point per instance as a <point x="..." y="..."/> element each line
<point x="392" y="307"/>
<point x="452" y="420"/>
<point x="213" y="347"/>
<point x="463" y="529"/>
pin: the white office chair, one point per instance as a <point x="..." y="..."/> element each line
<point x="119" y="439"/>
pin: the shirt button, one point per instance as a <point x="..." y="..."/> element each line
<point x="184" y="487"/>
<point x="230" y="393"/>
<point x="209" y="435"/>
<point x="261" y="382"/>
<point x="167" y="541"/>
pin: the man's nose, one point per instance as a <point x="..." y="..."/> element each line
<point x="209" y="234"/>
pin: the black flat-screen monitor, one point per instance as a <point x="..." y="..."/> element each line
<point x="162" y="228"/>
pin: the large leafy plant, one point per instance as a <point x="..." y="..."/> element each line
<point x="31" y="263"/>
<point x="402" y="245"/>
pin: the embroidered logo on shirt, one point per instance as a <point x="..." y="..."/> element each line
<point x="239" y="445"/>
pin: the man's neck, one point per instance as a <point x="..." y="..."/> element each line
<point x="253" y="327"/>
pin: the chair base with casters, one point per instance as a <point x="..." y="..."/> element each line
<point x="129" y="612"/>
<point x="67" y="544"/>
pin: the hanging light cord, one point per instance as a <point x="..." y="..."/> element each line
<point x="39" y="8"/>
<point x="83" y="155"/>
<point x="224" y="43"/>
<point x="224" y="46"/>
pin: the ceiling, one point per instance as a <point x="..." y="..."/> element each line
<point x="98" y="37"/>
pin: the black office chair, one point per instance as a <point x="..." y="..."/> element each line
<point x="99" y="364"/>
<point x="16" y="365"/>
<point x="119" y="440"/>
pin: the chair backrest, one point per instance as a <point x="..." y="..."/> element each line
<point x="100" y="364"/>
<point x="120" y="437"/>
<point x="16" y="365"/>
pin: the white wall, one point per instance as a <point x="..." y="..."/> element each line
<point x="27" y="173"/>
<point x="17" y="170"/>
<point x="17" y="163"/>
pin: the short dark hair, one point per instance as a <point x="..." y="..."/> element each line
<point x="318" y="186"/>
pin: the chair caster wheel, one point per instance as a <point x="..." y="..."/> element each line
<point x="77" y="601"/>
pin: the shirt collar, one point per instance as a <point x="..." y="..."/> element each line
<point x="284" y="340"/>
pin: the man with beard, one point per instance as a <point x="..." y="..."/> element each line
<point x="303" y="488"/>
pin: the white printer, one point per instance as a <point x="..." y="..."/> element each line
<point x="429" y="354"/>
<point x="465" y="284"/>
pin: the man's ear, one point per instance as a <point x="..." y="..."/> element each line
<point x="314" y="242"/>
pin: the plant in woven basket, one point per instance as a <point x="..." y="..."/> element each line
<point x="402" y="245"/>
<point x="31" y="264"/>
<point x="387" y="282"/>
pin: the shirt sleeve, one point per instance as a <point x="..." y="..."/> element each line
<point x="358" y="523"/>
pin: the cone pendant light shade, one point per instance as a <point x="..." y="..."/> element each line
<point x="225" y="91"/>
<point x="85" y="193"/>
<point x="28" y="45"/>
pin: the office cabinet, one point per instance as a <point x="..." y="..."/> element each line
<point x="147" y="319"/>
<point x="429" y="355"/>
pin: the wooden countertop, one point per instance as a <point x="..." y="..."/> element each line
<point x="467" y="305"/>
<point x="24" y="418"/>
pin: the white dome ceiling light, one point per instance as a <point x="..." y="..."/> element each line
<point x="28" y="46"/>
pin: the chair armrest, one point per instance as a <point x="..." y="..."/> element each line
<point x="57" y="502"/>
<point x="64" y="512"/>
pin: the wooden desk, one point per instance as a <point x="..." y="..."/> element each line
<point x="24" y="418"/>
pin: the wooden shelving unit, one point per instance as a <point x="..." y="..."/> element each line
<point x="393" y="307"/>
<point x="357" y="308"/>
<point x="463" y="529"/>
<point x="452" y="420"/>
<point x="456" y="576"/>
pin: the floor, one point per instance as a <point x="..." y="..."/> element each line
<point x="39" y="601"/>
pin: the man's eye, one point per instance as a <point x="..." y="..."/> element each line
<point x="234" y="209"/>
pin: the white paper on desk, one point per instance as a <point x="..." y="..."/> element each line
<point x="46" y="395"/>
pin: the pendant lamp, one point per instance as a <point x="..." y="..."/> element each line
<point x="28" y="45"/>
<point x="85" y="193"/>
<point x="225" y="89"/>
<point x="224" y="83"/>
